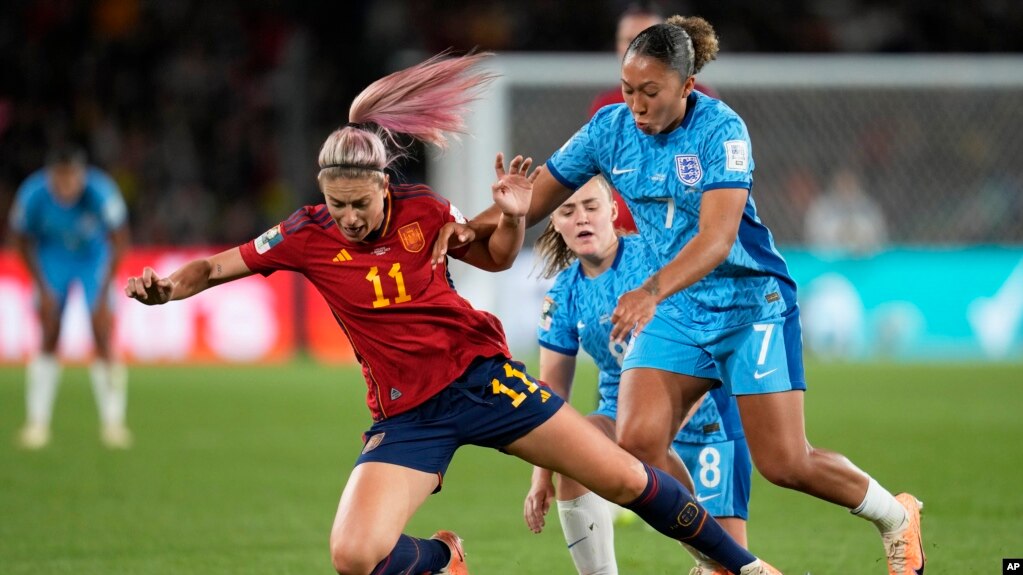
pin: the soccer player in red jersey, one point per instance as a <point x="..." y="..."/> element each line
<point x="438" y="371"/>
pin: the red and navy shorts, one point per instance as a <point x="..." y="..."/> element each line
<point x="492" y="404"/>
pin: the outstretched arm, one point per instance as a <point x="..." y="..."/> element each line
<point x="497" y="250"/>
<point x="547" y="195"/>
<point x="189" y="279"/>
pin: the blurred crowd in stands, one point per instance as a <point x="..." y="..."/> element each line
<point x="208" y="114"/>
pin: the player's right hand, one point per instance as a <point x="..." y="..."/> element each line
<point x="149" y="288"/>
<point x="538" y="503"/>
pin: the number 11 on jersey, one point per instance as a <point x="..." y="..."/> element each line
<point x="378" y="288"/>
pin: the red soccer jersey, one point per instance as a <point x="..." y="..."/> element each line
<point x="411" y="331"/>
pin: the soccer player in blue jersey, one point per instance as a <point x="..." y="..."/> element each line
<point x="594" y="266"/>
<point x="722" y="305"/>
<point x="69" y="224"/>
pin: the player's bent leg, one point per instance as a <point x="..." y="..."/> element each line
<point x="376" y="504"/>
<point x="777" y="442"/>
<point x="611" y="472"/>
<point x="651" y="406"/>
<point x="780" y="451"/>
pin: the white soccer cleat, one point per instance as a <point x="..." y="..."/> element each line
<point x="116" y="436"/>
<point x="34" y="436"/>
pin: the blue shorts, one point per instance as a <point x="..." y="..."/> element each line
<point x="59" y="275"/>
<point x="721" y="472"/>
<point x="762" y="357"/>
<point x="492" y="404"/>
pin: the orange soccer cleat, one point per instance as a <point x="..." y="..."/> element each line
<point x="456" y="566"/>
<point x="905" y="548"/>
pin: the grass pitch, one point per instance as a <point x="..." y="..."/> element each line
<point x="238" y="470"/>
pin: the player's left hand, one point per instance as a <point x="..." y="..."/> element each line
<point x="514" y="188"/>
<point x="635" y="309"/>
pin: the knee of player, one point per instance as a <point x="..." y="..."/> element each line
<point x="787" y="471"/>
<point x="629" y="484"/>
<point x="352" y="557"/>
<point x="644" y="448"/>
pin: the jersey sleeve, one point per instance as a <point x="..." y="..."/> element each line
<point x="728" y="155"/>
<point x="279" y="248"/>
<point x="577" y="160"/>
<point x="112" y="208"/>
<point x="557" y="329"/>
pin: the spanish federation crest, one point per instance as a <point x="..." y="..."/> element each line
<point x="412" y="237"/>
<point x="687" y="168"/>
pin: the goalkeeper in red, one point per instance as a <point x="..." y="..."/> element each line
<point x="438" y="371"/>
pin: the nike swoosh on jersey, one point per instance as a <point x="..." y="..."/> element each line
<point x="702" y="498"/>
<point x="758" y="375"/>
<point x="616" y="172"/>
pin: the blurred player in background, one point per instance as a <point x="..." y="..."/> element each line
<point x="438" y="372"/>
<point x="69" y="224"/>
<point x="722" y="305"/>
<point x="594" y="266"/>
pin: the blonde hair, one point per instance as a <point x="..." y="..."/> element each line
<point x="426" y="101"/>
<point x="554" y="252"/>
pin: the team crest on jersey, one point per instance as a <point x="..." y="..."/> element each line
<point x="269" y="239"/>
<point x="412" y="237"/>
<point x="688" y="169"/>
<point x="373" y="442"/>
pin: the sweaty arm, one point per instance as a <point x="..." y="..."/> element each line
<point x="720" y="214"/>
<point x="189" y="279"/>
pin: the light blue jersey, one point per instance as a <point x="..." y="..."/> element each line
<point x="72" y="242"/>
<point x="577" y="312"/>
<point x="663" y="178"/>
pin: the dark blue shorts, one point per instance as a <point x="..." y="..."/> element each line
<point x="492" y="404"/>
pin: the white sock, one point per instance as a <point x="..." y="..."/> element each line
<point x="881" y="508"/>
<point x="109" y="386"/>
<point x="589" y="533"/>
<point x="42" y="377"/>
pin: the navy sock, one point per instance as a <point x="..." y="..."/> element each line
<point x="669" y="508"/>
<point x="412" y="556"/>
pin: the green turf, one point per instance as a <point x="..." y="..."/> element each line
<point x="238" y="470"/>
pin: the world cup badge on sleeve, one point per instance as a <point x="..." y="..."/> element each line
<point x="688" y="169"/>
<point x="412" y="237"/>
<point x="269" y="239"/>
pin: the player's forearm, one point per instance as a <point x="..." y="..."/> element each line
<point x="698" y="257"/>
<point x="190" y="279"/>
<point x="506" y="241"/>
<point x="118" y="247"/>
